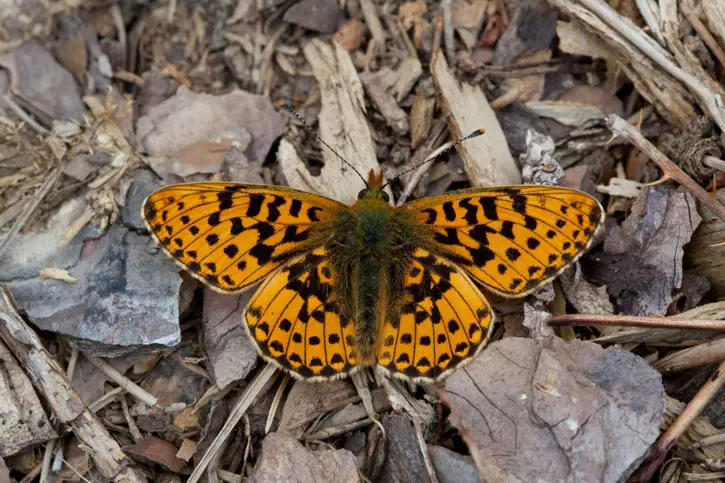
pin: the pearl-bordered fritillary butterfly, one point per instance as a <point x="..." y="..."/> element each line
<point x="352" y="286"/>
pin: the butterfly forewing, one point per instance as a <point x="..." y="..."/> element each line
<point x="512" y="239"/>
<point x="230" y="235"/>
<point x="443" y="322"/>
<point x="294" y="319"/>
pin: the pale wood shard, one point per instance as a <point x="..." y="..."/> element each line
<point x="386" y="104"/>
<point x="66" y="405"/>
<point x="421" y="119"/>
<point x="342" y="124"/>
<point x="487" y="159"/>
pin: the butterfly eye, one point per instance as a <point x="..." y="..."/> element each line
<point x="385" y="196"/>
<point x="361" y="194"/>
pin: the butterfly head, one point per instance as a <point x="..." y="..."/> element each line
<point x="374" y="189"/>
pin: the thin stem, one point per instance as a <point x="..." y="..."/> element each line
<point x="576" y="320"/>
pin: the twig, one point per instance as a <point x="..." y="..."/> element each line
<point x="32" y="475"/>
<point x="47" y="458"/>
<point x="71" y="369"/>
<point x="372" y="20"/>
<point x="24" y="115"/>
<point x="668" y="439"/>
<point x="708" y="100"/>
<point x="275" y="403"/>
<point x="650" y="14"/>
<point x="117" y="16"/>
<point x="30" y="207"/>
<point x="132" y="428"/>
<point x="423" y="153"/>
<point x="128" y="385"/>
<point x="250" y="394"/>
<point x="577" y="320"/>
<point x="620" y="127"/>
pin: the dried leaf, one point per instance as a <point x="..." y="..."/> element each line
<point x="642" y="260"/>
<point x="556" y="412"/>
<point x="159" y="451"/>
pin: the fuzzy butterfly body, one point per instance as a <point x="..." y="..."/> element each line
<point x="369" y="285"/>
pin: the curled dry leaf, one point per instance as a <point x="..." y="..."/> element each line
<point x="557" y="411"/>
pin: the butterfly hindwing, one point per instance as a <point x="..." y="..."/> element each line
<point x="511" y="239"/>
<point x="230" y="235"/>
<point x="294" y="320"/>
<point x="443" y="322"/>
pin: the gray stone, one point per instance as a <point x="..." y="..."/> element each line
<point x="126" y="297"/>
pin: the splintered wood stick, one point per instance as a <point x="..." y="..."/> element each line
<point x="51" y="382"/>
<point x="621" y="127"/>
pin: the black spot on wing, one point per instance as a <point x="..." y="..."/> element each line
<point x="255" y="204"/>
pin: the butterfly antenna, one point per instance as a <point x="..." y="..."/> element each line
<point x="437" y="153"/>
<point x="289" y="109"/>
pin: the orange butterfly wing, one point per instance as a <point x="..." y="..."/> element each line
<point x="443" y="323"/>
<point x="230" y="235"/>
<point x="295" y="321"/>
<point x="511" y="239"/>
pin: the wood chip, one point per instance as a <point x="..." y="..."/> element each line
<point x="486" y="159"/>
<point x="343" y="125"/>
<point x="421" y="119"/>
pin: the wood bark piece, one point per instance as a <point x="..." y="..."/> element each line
<point x="706" y="259"/>
<point x="342" y="124"/>
<point x="626" y="31"/>
<point x="60" y="397"/>
<point x="715" y="13"/>
<point x="22" y="417"/>
<point x="421" y="119"/>
<point x="487" y="159"/>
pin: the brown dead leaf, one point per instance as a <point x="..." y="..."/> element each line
<point x="557" y="411"/>
<point x="284" y="459"/>
<point x="159" y="451"/>
<point x="305" y="399"/>
<point x="642" y="260"/>
<point x="77" y="462"/>
<point x="173" y="130"/>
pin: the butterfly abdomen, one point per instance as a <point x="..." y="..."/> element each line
<point x="373" y="241"/>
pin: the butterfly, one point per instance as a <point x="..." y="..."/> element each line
<point x="344" y="287"/>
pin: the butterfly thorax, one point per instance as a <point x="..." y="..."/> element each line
<point x="373" y="244"/>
